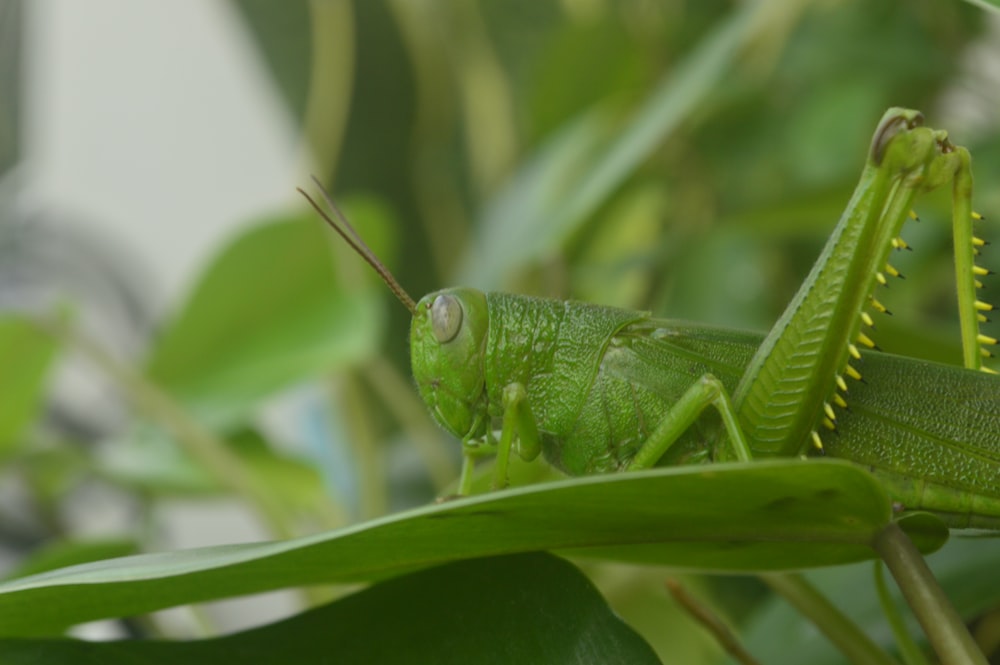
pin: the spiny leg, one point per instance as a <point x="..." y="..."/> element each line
<point x="707" y="391"/>
<point x="970" y="308"/>
<point x="797" y="376"/>
<point x="950" y="165"/>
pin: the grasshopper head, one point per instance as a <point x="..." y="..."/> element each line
<point x="447" y="345"/>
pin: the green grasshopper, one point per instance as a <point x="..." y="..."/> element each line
<point x="599" y="389"/>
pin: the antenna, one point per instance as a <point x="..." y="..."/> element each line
<point x="358" y="245"/>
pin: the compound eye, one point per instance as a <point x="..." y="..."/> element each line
<point x="446" y="318"/>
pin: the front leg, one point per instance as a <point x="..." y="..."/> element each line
<point x="518" y="425"/>
<point x="707" y="391"/>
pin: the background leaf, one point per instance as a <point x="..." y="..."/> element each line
<point x="268" y="311"/>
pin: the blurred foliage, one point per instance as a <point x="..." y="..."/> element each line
<point x="685" y="157"/>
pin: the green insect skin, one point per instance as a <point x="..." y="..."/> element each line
<point x="927" y="430"/>
<point x="563" y="353"/>
<point x="588" y="385"/>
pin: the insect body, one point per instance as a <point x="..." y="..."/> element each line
<point x="563" y="363"/>
<point x="601" y="389"/>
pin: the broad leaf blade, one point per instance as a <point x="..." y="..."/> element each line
<point x="60" y="554"/>
<point x="268" y="311"/>
<point x="526" y="608"/>
<point x="773" y="515"/>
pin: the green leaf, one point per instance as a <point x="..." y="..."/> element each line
<point x="526" y="608"/>
<point x="25" y="357"/>
<point x="67" y="553"/>
<point x="268" y="312"/>
<point x="773" y="515"/>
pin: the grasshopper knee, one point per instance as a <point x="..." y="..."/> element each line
<point x="513" y="394"/>
<point x="713" y="388"/>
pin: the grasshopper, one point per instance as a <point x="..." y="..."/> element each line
<point x="598" y="389"/>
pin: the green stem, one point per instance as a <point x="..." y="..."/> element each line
<point x="908" y="649"/>
<point x="709" y="620"/>
<point x="943" y="626"/>
<point x="844" y="633"/>
<point x="214" y="455"/>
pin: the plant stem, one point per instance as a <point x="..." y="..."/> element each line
<point x="844" y="633"/>
<point x="908" y="649"/>
<point x="943" y="626"/>
<point x="711" y="622"/>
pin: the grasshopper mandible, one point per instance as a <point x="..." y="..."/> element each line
<point x="599" y="389"/>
